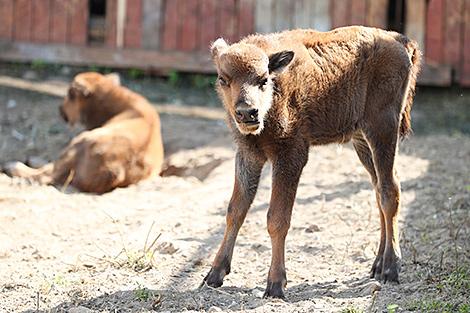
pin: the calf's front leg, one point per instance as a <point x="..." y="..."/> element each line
<point x="247" y="173"/>
<point x="286" y="174"/>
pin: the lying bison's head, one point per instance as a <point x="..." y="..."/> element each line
<point x="245" y="82"/>
<point x="81" y="95"/>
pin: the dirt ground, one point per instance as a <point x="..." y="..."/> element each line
<point x="147" y="247"/>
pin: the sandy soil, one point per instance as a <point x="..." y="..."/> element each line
<point x="73" y="252"/>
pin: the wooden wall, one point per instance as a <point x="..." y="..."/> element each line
<point x="44" y="21"/>
<point x="187" y="27"/>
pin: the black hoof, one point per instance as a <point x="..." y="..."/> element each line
<point x="376" y="270"/>
<point x="391" y="270"/>
<point x="215" y="278"/>
<point x="275" y="290"/>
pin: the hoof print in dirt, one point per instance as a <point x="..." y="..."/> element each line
<point x="274" y="290"/>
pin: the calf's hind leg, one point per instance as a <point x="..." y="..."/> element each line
<point x="365" y="156"/>
<point x="383" y="143"/>
<point x="247" y="173"/>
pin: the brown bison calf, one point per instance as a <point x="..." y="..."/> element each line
<point x="121" y="146"/>
<point x="287" y="91"/>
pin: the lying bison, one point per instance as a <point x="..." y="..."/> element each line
<point x="121" y="146"/>
<point x="287" y="91"/>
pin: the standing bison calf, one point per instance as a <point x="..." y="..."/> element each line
<point x="287" y="91"/>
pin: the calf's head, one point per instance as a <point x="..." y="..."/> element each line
<point x="245" y="82"/>
<point x="81" y="92"/>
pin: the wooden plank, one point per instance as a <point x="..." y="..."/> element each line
<point x="264" y="16"/>
<point x="358" y="12"/>
<point x="133" y="25"/>
<point x="465" y="76"/>
<point x="435" y="75"/>
<point x="435" y="32"/>
<point x="227" y="20"/>
<point x="58" y="21"/>
<point x="40" y="20"/>
<point x="377" y="13"/>
<point x="303" y="14"/>
<point x="207" y="24"/>
<point x="321" y="15"/>
<point x="283" y="11"/>
<point x="170" y="26"/>
<point x="105" y="56"/>
<point x="22" y="20"/>
<point x="6" y="16"/>
<point x="151" y="20"/>
<point x="187" y="33"/>
<point x="453" y="34"/>
<point x="340" y="13"/>
<point x="111" y="21"/>
<point x="246" y="18"/>
<point x="415" y="21"/>
<point x="78" y="22"/>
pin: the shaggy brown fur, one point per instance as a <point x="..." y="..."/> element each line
<point x="287" y="91"/>
<point x="122" y="144"/>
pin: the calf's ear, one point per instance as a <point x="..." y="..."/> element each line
<point x="217" y="47"/>
<point x="81" y="86"/>
<point x="114" y="78"/>
<point x="278" y="61"/>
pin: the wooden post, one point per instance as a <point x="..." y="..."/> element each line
<point x="41" y="20"/>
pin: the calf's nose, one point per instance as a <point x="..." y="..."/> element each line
<point x="246" y="115"/>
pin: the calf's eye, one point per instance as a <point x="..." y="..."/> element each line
<point x="223" y="82"/>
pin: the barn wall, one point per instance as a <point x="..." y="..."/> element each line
<point x="187" y="27"/>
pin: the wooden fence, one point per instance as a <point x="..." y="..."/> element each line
<point x="175" y="34"/>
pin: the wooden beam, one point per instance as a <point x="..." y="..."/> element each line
<point x="435" y="32"/>
<point x="105" y="56"/>
<point x="465" y="76"/>
<point x="151" y="19"/>
<point x="264" y="16"/>
<point x="435" y="75"/>
<point x="133" y="24"/>
<point x="303" y="13"/>
<point x="58" y="22"/>
<point x="321" y="15"/>
<point x="61" y="90"/>
<point x="6" y="16"/>
<point x="78" y="22"/>
<point x="358" y="12"/>
<point x="377" y="13"/>
<point x="454" y="21"/>
<point x="415" y="21"/>
<point x="22" y="20"/>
